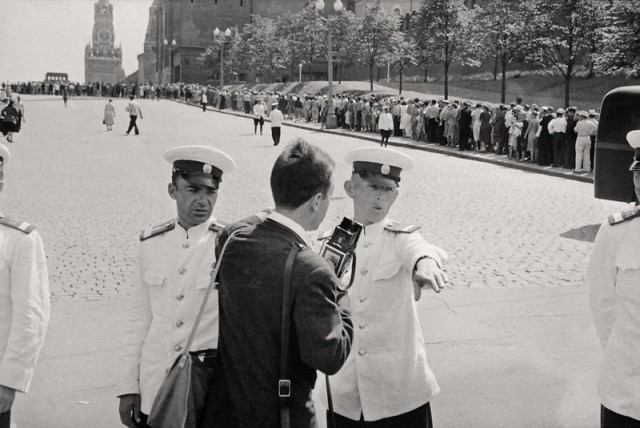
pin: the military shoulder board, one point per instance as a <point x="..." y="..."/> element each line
<point x="157" y="230"/>
<point x="23" y="226"/>
<point x="401" y="228"/>
<point x="623" y="216"/>
<point x="217" y="226"/>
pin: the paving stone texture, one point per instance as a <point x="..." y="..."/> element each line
<point x="511" y="341"/>
<point x="90" y="192"/>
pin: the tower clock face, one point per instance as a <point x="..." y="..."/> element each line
<point x="104" y="36"/>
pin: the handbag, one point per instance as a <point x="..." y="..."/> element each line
<point x="174" y="404"/>
<point x="103" y="122"/>
<point x="284" y="383"/>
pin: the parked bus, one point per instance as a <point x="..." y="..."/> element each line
<point x="56" y="77"/>
<point x="620" y="114"/>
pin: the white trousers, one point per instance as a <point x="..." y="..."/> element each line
<point x="583" y="150"/>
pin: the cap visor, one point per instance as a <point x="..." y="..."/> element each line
<point x="202" y="180"/>
<point x="378" y="180"/>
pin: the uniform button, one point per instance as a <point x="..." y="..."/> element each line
<point x="178" y="348"/>
<point x="362" y="326"/>
<point x="362" y="352"/>
<point x="181" y="271"/>
<point x="363" y="299"/>
<point x="364" y="271"/>
<point x="180" y="297"/>
<point x="179" y="324"/>
<point x="185" y="245"/>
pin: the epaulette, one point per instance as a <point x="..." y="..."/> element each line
<point x="157" y="230"/>
<point x="23" y="226"/>
<point x="623" y="216"/>
<point x="400" y="228"/>
<point x="217" y="226"/>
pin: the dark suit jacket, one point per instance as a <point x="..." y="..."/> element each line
<point x="250" y="296"/>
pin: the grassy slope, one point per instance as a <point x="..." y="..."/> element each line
<point x="541" y="90"/>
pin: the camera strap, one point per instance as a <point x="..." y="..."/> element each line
<point x="284" y="383"/>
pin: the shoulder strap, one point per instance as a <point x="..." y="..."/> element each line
<point x="157" y="230"/>
<point x="212" y="281"/>
<point x="284" y="383"/>
<point x="23" y="226"/>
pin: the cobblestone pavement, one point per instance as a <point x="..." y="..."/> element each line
<point x="90" y="192"/>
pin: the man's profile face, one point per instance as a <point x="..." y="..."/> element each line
<point x="636" y="182"/>
<point x="194" y="201"/>
<point x="372" y="200"/>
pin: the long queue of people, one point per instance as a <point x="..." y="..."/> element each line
<point x="563" y="138"/>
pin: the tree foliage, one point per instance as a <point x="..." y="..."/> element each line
<point x="619" y="40"/>
<point x="445" y="32"/>
<point x="505" y="29"/>
<point x="374" y="41"/>
<point x="566" y="29"/>
<point x="305" y="34"/>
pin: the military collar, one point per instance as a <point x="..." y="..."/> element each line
<point x="197" y="231"/>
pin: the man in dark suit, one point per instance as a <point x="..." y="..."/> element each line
<point x="250" y="296"/>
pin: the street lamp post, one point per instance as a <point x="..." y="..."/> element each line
<point x="300" y="72"/>
<point x="166" y="45"/>
<point x="331" y="121"/>
<point x="226" y="33"/>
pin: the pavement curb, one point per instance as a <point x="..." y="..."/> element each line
<point x="415" y="145"/>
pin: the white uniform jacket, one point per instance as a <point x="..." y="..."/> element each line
<point x="24" y="305"/>
<point x="386" y="373"/>
<point x="171" y="277"/>
<point x="613" y="276"/>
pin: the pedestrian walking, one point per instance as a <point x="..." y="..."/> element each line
<point x="109" y="115"/>
<point x="390" y="256"/>
<point x="269" y="383"/>
<point x="203" y="100"/>
<point x="24" y="304"/>
<point x="613" y="275"/>
<point x="9" y="121"/>
<point x="134" y="111"/>
<point x="385" y="125"/>
<point x="258" y="116"/>
<point x="276" y="123"/>
<point x="171" y="278"/>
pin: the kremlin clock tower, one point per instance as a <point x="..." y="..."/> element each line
<point x="102" y="60"/>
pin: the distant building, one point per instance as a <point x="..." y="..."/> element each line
<point x="191" y="23"/>
<point x="102" y="60"/>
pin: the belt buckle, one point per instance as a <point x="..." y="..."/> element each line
<point x="284" y="388"/>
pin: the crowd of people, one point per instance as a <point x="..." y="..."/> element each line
<point x="525" y="133"/>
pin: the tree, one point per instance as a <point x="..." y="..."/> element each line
<point x="304" y="33"/>
<point x="507" y="32"/>
<point x="565" y="32"/>
<point x="378" y="26"/>
<point x="264" y="47"/>
<point x="619" y="40"/>
<point x="402" y="53"/>
<point x="345" y="28"/>
<point x="444" y="32"/>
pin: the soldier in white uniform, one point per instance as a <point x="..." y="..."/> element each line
<point x="613" y="277"/>
<point x="24" y="304"/>
<point x="386" y="381"/>
<point x="171" y="277"/>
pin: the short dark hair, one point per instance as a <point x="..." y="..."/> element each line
<point x="301" y="171"/>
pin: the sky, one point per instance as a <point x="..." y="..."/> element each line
<point x="37" y="36"/>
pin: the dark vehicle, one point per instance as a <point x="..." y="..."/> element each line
<point x="56" y="77"/>
<point x="620" y="114"/>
